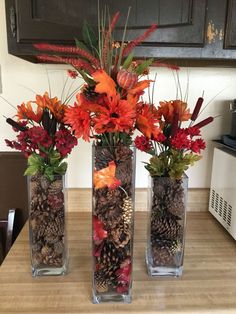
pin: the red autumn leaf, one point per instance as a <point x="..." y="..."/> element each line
<point x="99" y="233"/>
<point x="124" y="273"/>
<point x="106" y="177"/>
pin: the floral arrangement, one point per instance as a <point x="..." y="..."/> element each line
<point x="107" y="107"/>
<point x="173" y="147"/>
<point x="42" y="136"/>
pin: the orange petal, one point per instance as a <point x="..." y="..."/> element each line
<point x="139" y="87"/>
<point x="105" y="83"/>
<point x="106" y="177"/>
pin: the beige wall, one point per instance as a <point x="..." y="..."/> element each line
<point x="18" y="76"/>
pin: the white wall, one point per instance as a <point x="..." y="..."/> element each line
<point x="18" y="76"/>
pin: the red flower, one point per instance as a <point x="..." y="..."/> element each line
<point x="197" y="145"/>
<point x="143" y="143"/>
<point x="193" y="131"/>
<point x="72" y="74"/>
<point x="64" y="142"/>
<point x="39" y="136"/>
<point x="181" y="140"/>
<point x="79" y="120"/>
<point x="160" y="138"/>
<point x="99" y="233"/>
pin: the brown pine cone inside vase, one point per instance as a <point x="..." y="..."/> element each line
<point x="54" y="230"/>
<point x="168" y="196"/>
<point x="162" y="255"/>
<point x="108" y="206"/>
<point x="166" y="228"/>
<point x="102" y="157"/>
<point x="124" y="173"/>
<point x="56" y="186"/>
<point x="106" y="265"/>
<point x="123" y="153"/>
<point x="120" y="235"/>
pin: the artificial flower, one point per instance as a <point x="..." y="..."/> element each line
<point x="198" y="145"/>
<point x="65" y="141"/>
<point x="79" y="120"/>
<point x="25" y="111"/>
<point x="147" y="121"/>
<point x="173" y="148"/>
<point x="106" y="177"/>
<point x="143" y="143"/>
<point x="117" y="116"/>
<point x="167" y="109"/>
<point x="54" y="105"/>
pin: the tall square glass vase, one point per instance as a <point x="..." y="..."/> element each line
<point x="113" y="223"/>
<point x="47" y="225"/>
<point x="166" y="225"/>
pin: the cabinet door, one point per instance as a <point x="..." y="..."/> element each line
<point x="180" y="22"/>
<point x="230" y="30"/>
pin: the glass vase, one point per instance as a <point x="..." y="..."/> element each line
<point x="113" y="223"/>
<point x="166" y="225"/>
<point x="47" y="225"/>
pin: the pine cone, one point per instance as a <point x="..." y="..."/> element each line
<point x="127" y="210"/>
<point x="168" y="196"/>
<point x="166" y="228"/>
<point x="54" y="230"/>
<point x="162" y="256"/>
<point x="120" y="235"/>
<point x="59" y="247"/>
<point x="44" y="182"/>
<point x="108" y="206"/>
<point x="56" y="186"/>
<point x="107" y="264"/>
<point x="102" y="157"/>
<point x="124" y="173"/>
<point x="123" y="153"/>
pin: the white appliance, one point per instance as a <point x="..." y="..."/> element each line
<point x="222" y="202"/>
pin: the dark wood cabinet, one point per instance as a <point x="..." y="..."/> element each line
<point x="187" y="29"/>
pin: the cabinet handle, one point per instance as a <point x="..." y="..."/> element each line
<point x="13" y="21"/>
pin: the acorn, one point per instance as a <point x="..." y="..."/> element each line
<point x="126" y="79"/>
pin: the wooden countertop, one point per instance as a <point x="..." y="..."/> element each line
<point x="208" y="284"/>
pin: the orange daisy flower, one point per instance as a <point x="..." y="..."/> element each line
<point x="117" y="115"/>
<point x="79" y="120"/>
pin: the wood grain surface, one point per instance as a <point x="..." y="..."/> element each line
<point x="208" y="284"/>
<point x="80" y="199"/>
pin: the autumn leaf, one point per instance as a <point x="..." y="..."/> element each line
<point x="99" y="233"/>
<point x="106" y="177"/>
<point x="105" y="83"/>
